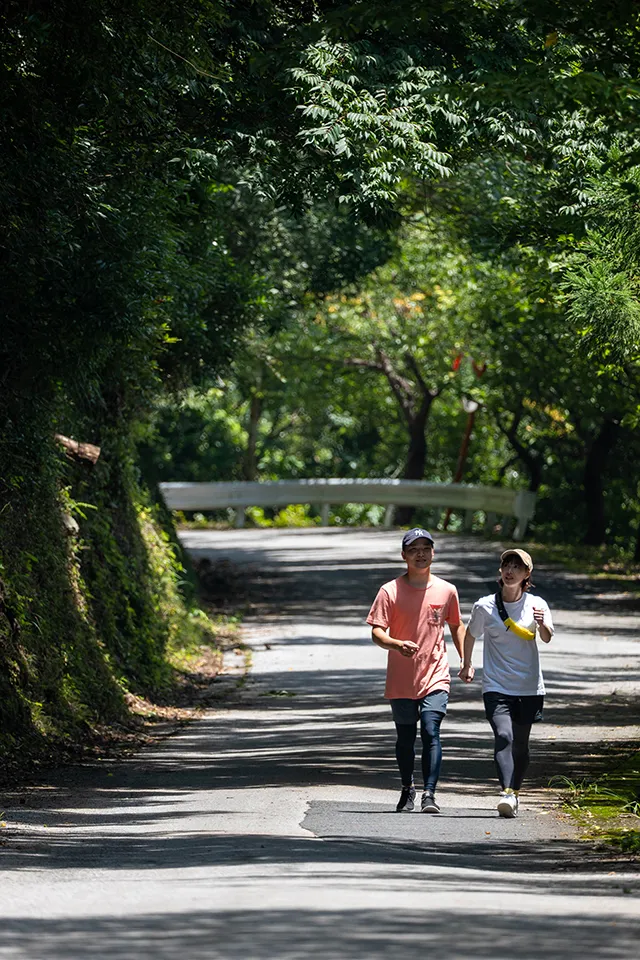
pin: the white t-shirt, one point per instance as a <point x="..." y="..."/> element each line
<point x="511" y="665"/>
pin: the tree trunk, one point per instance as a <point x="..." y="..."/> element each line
<point x="416" y="459"/>
<point x="535" y="475"/>
<point x="407" y="395"/>
<point x="250" y="466"/>
<point x="595" y="463"/>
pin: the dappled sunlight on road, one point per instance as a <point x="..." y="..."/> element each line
<point x="267" y="829"/>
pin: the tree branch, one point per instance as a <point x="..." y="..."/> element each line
<point x="370" y="364"/>
<point x="402" y="388"/>
<point x="412" y="364"/>
<point x="530" y="460"/>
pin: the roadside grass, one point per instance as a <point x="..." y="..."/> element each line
<point x="607" y="809"/>
<point x="202" y="647"/>
<point x="195" y="656"/>
<point x="243" y="650"/>
<point x="601" y="563"/>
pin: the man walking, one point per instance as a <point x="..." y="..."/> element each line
<point x="407" y="619"/>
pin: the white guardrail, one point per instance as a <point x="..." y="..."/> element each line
<point x="493" y="501"/>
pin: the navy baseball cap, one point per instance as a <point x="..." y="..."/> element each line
<point x="416" y="534"/>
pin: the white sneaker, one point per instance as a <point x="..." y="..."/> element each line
<point x="508" y="804"/>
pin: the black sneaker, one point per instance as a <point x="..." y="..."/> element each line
<point x="428" y="803"/>
<point x="407" y="800"/>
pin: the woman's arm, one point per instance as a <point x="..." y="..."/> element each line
<point x="467" y="670"/>
<point x="543" y="630"/>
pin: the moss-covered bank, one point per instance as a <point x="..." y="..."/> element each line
<point x="91" y="609"/>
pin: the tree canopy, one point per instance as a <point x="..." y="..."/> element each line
<point x="273" y="238"/>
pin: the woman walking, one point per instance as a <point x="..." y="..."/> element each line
<point x="512" y="682"/>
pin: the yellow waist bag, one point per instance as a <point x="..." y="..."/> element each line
<point x="510" y="624"/>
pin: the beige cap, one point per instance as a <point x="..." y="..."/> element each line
<point x="522" y="555"/>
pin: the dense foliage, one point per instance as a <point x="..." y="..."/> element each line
<point x="277" y="233"/>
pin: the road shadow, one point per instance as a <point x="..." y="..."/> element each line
<point x="318" y="934"/>
<point x="471" y="563"/>
<point x="334" y="732"/>
<point x="542" y="860"/>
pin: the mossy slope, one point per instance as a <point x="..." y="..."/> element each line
<point x="86" y="615"/>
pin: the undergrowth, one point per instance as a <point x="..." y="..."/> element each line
<point x="607" y="808"/>
<point x="605" y="562"/>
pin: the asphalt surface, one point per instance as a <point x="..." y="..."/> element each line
<point x="266" y="829"/>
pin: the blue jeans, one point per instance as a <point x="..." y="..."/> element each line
<point x="430" y="711"/>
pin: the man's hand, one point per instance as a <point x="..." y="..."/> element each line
<point x="380" y="636"/>
<point x="408" y="648"/>
<point x="467" y="674"/>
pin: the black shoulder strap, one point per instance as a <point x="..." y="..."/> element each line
<point x="504" y="616"/>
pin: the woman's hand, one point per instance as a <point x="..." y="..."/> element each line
<point x="543" y="631"/>
<point x="467" y="673"/>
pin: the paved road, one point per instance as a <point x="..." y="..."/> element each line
<point x="264" y="830"/>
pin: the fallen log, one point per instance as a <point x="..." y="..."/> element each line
<point x="78" y="451"/>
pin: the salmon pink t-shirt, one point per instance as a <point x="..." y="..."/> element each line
<point x="413" y="613"/>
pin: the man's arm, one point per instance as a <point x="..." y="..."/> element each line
<point x="457" y="635"/>
<point x="380" y="637"/>
<point x="467" y="670"/>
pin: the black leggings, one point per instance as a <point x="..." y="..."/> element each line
<point x="430" y="721"/>
<point x="511" y="719"/>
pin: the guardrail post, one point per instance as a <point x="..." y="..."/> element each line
<point x="240" y="517"/>
<point x="524" y="509"/>
<point x="520" y="530"/>
<point x="388" y="515"/>
<point x="467" y="524"/>
<point x="324" y="514"/>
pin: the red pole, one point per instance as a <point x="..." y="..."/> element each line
<point x="471" y="407"/>
<point x="462" y="459"/>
